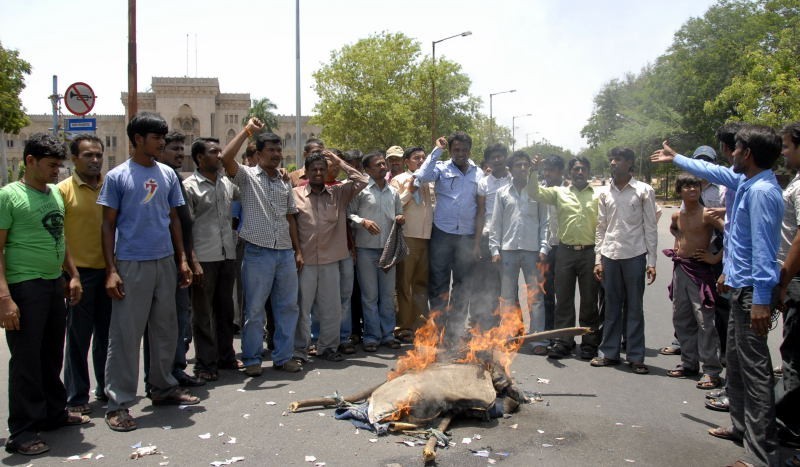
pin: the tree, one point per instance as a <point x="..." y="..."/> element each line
<point x="12" y="114"/>
<point x="377" y="93"/>
<point x="479" y="132"/>
<point x="263" y="110"/>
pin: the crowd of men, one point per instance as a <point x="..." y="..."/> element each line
<point x="324" y="264"/>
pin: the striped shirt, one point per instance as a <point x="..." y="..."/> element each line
<point x="265" y="203"/>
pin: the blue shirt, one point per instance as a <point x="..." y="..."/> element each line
<point x="753" y="229"/>
<point x="456" y="193"/>
<point x="143" y="197"/>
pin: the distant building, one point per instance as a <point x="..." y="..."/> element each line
<point x="193" y="106"/>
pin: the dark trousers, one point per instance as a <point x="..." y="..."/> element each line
<point x="787" y="389"/>
<point x="576" y="265"/>
<point x="484" y="289"/>
<point x="36" y="396"/>
<point x="87" y="322"/>
<point x="623" y="282"/>
<point x="751" y="385"/>
<point x="356" y="310"/>
<point x="549" y="268"/>
<point x="450" y="254"/>
<point x="212" y="316"/>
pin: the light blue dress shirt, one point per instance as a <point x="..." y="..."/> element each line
<point x="753" y="230"/>
<point x="456" y="193"/>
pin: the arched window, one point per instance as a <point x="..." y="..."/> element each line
<point x="230" y="136"/>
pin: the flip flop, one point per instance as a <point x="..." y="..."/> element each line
<point x="709" y="382"/>
<point x="725" y="433"/>
<point x="120" y="420"/>
<point x="670" y="350"/>
<point x="33" y="447"/>
<point x="681" y="372"/>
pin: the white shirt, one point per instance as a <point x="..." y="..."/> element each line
<point x="488" y="187"/>
<point x="626" y="222"/>
<point x="791" y="217"/>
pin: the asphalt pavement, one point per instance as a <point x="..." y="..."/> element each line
<point x="585" y="416"/>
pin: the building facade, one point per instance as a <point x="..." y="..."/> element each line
<point x="193" y="106"/>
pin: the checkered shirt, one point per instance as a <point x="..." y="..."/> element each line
<point x="265" y="203"/>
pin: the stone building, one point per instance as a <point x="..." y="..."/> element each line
<point x="193" y="106"/>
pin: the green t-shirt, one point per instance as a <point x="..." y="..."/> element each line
<point x="35" y="225"/>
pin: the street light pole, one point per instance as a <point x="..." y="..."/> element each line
<point x="514" y="128"/>
<point x="434" y="135"/>
<point x="491" y="115"/>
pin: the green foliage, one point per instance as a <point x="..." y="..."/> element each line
<point x="737" y="62"/>
<point x="12" y="81"/>
<point x="479" y="132"/>
<point x="377" y="93"/>
<point x="263" y="110"/>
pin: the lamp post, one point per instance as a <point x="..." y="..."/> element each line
<point x="514" y="128"/>
<point x="491" y="120"/>
<point x="433" y="82"/>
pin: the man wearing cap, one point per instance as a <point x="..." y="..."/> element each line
<point x="394" y="159"/>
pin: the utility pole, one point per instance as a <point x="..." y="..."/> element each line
<point x="434" y="134"/>
<point x="133" y="97"/>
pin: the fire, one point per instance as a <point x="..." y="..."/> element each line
<point x="495" y="341"/>
<point x="426" y="341"/>
<point x="403" y="408"/>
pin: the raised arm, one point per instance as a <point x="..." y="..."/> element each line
<point x="232" y="148"/>
<point x="547" y="195"/>
<point x="427" y="171"/>
<point x="706" y="170"/>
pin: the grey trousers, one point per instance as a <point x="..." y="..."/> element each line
<point x="750" y="383"/>
<point x="149" y="301"/>
<point x="694" y="326"/>
<point x="578" y="265"/>
<point x="319" y="288"/>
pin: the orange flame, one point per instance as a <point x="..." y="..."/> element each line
<point x="426" y="340"/>
<point x="495" y="341"/>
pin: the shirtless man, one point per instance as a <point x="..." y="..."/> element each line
<point x="692" y="285"/>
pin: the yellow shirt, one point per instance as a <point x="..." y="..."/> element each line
<point x="82" y="219"/>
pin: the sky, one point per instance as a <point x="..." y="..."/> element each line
<point x="556" y="54"/>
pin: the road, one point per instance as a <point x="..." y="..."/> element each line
<point x="587" y="416"/>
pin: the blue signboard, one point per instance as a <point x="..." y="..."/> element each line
<point x="81" y="125"/>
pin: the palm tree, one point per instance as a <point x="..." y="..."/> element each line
<point x="263" y="110"/>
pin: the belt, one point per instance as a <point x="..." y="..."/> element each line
<point x="577" y="247"/>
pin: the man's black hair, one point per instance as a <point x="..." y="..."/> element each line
<point x="460" y="136"/>
<point x="578" y="159"/>
<point x="624" y="153"/>
<point x="726" y="134"/>
<point x="310" y="142"/>
<point x="314" y="157"/>
<point x="517" y="155"/>
<point x="554" y="162"/>
<point x="266" y="137"/>
<point x="793" y="130"/>
<point x="763" y="142"/>
<point x="686" y="179"/>
<point x="199" y="146"/>
<point x="74" y="145"/>
<point x="493" y="148"/>
<point x="174" y="137"/>
<point x="41" y="145"/>
<point x="144" y="123"/>
<point x="353" y="155"/>
<point x="409" y="151"/>
<point x="365" y="161"/>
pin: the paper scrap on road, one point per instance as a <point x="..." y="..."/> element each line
<point x="230" y="461"/>
<point x="491" y="461"/>
<point x="231" y="440"/>
<point x="245" y="415"/>
<point x="240" y="390"/>
<point x="271" y="403"/>
<point x="560" y="439"/>
<point x="541" y="432"/>
<point x="166" y="427"/>
<point x="481" y="453"/>
<point x="99" y="456"/>
<point x="636" y="426"/>
<point x="137" y="445"/>
<point x="373" y="440"/>
<point x="145" y="451"/>
<point x="291" y="392"/>
<point x="514" y="426"/>
<point x="630" y="460"/>
<point x="322" y="414"/>
<point x="466" y="440"/>
<point x="542" y="381"/>
<point x="164" y="463"/>
<point x="545" y="445"/>
<point x="204" y="436"/>
<point x="476" y="436"/>
<point x="310" y="459"/>
<point x="619" y="424"/>
<point x="221" y="433"/>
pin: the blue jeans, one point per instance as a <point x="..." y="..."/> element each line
<point x="377" y="296"/>
<point x="623" y="281"/>
<point x="511" y="263"/>
<point x="448" y="254"/>
<point x="267" y="272"/>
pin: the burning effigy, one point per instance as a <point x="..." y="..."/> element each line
<point x="432" y="384"/>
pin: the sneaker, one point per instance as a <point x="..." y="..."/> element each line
<point x="290" y="366"/>
<point x="253" y="370"/>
